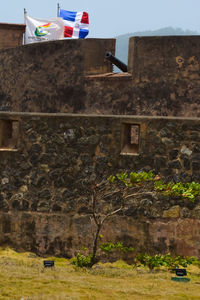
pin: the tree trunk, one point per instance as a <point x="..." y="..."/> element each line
<point x="93" y="259"/>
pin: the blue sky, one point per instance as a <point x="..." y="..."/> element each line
<point x="109" y="18"/>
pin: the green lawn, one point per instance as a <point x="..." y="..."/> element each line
<point x="22" y="276"/>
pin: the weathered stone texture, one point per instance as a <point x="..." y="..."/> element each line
<point x="50" y="76"/>
<point x="164" y="81"/>
<point x="73" y="76"/>
<point x="11" y="35"/>
<point x="46" y="182"/>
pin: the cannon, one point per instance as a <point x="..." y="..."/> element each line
<point x="115" y="61"/>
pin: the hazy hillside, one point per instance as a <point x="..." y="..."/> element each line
<point x="122" y="40"/>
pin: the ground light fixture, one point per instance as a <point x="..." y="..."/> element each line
<point x="180" y="275"/>
<point x="48" y="263"/>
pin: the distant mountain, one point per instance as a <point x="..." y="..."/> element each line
<point x="122" y="40"/>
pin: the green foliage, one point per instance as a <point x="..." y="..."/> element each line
<point x="141" y="177"/>
<point x="189" y="190"/>
<point x="168" y="261"/>
<point x="133" y="178"/>
<point x="185" y="190"/>
<point x="151" y="262"/>
<point x="82" y="261"/>
<point x="87" y="261"/>
<point x="111" y="178"/>
<point x="110" y="247"/>
<point x="143" y="259"/>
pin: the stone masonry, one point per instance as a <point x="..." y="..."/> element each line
<point x="73" y="76"/>
<point x="68" y="121"/>
<point x="49" y="169"/>
<point x="11" y="35"/>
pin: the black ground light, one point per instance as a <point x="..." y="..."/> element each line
<point x="48" y="263"/>
<point x="180" y="273"/>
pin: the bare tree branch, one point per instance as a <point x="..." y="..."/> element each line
<point x="100" y="218"/>
<point x="112" y="194"/>
<point x="101" y="183"/>
<point x="136" y="194"/>
<point x="93" y="208"/>
<point x="111" y="214"/>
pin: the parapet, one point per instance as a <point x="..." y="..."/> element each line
<point x="50" y="76"/>
<point x="11" y="35"/>
<point x="164" y="58"/>
<point x="94" y="55"/>
<point x="73" y="76"/>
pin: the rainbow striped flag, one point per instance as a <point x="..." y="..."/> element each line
<point x="42" y="30"/>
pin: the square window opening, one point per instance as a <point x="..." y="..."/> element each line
<point x="9" y="133"/>
<point x="130" y="139"/>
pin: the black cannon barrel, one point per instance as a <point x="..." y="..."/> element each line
<point x="118" y="63"/>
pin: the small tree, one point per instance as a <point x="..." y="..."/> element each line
<point x="101" y="211"/>
<point x="109" y="198"/>
<point x="119" y="190"/>
<point x="99" y="217"/>
<point x="119" y="187"/>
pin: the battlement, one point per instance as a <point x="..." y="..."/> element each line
<point x="74" y="76"/>
<point x="164" y="58"/>
<point x="11" y="35"/>
<point x="64" y="125"/>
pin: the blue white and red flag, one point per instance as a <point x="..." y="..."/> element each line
<point x="76" y="23"/>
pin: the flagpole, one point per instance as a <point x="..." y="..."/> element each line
<point x="25" y="13"/>
<point x="58" y="9"/>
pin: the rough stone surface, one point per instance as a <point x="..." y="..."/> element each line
<point x="11" y="35"/>
<point x="156" y="82"/>
<point x="173" y="212"/>
<point x="46" y="183"/>
<point x="47" y="175"/>
<point x="59" y="66"/>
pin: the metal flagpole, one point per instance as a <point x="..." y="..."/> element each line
<point x="25" y="13"/>
<point x="58" y="9"/>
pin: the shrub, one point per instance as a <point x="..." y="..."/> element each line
<point x="110" y="247"/>
<point x="168" y="261"/>
<point x="185" y="190"/>
<point x="82" y="261"/>
<point x="189" y="190"/>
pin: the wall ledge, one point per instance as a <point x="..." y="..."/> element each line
<point x="115" y="76"/>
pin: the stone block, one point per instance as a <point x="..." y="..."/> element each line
<point x="11" y="35"/>
<point x="196" y="165"/>
<point x="173" y="212"/>
<point x="173" y="154"/>
<point x="174" y="164"/>
<point x="185" y="150"/>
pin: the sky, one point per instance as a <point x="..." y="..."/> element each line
<point x="110" y="18"/>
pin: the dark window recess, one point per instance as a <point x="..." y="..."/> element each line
<point x="130" y="138"/>
<point x="9" y="132"/>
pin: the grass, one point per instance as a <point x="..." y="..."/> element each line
<point x="22" y="275"/>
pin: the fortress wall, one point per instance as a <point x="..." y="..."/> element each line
<point x="11" y="35"/>
<point x="94" y="51"/>
<point x="49" y="163"/>
<point x="49" y="77"/>
<point x="73" y="76"/>
<point x="165" y="58"/>
<point x="165" y="79"/>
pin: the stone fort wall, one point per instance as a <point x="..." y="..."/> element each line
<point x="73" y="76"/>
<point x="50" y="158"/>
<point x="11" y="35"/>
<point x="50" y="161"/>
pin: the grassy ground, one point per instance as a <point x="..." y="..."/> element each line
<point x="22" y="276"/>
